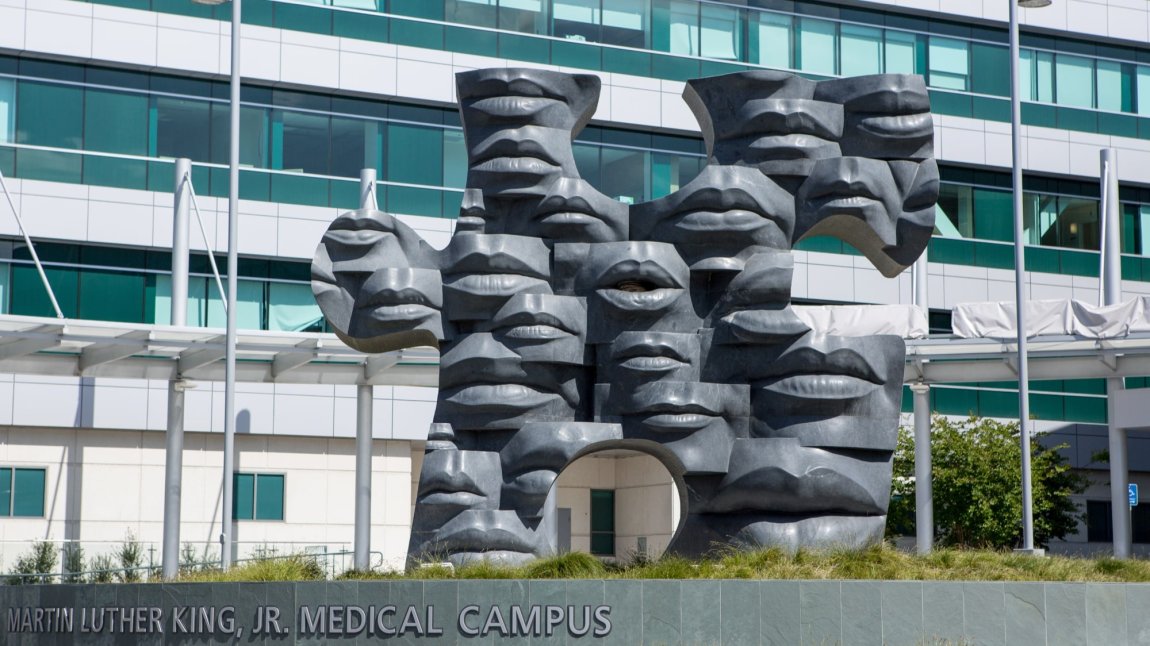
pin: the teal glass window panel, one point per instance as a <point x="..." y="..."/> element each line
<point x="524" y="16"/>
<point x="1034" y="114"/>
<point x="8" y="161"/>
<point x="255" y="185"/>
<point x="316" y="20"/>
<point x="993" y="215"/>
<point x="602" y="521"/>
<point x="249" y="306"/>
<point x="1115" y="86"/>
<point x="1085" y="409"/>
<point x="355" y="144"/>
<point x="418" y="8"/>
<point x="683" y="28"/>
<point x="29" y="297"/>
<point x="860" y="50"/>
<point x="1136" y="228"/>
<point x="243" y="496"/>
<point x="995" y="256"/>
<point x="28" y="492"/>
<point x="575" y="54"/>
<point x="4" y="279"/>
<point x="454" y="159"/>
<point x="369" y="5"/>
<point x="1121" y="125"/>
<point x="300" y="189"/>
<point x="952" y="103"/>
<point x="674" y="68"/>
<point x="1043" y="260"/>
<point x="292" y="308"/>
<point x="414" y="154"/>
<point x="817" y="46"/>
<point x="7" y="110"/>
<point x="415" y="201"/>
<point x="112" y="296"/>
<point x="1047" y="407"/>
<point x="990" y="109"/>
<point x="954" y="401"/>
<point x="1043" y="84"/>
<point x="1074" y="84"/>
<point x="771" y="40"/>
<point x="472" y="41"/>
<point x="116" y="122"/>
<point x="417" y="34"/>
<point x="113" y="171"/>
<point x="50" y="115"/>
<point x="950" y="250"/>
<point x="183" y="128"/>
<point x="625" y="61"/>
<point x="360" y="26"/>
<point x="524" y="48"/>
<point x="625" y="174"/>
<point x="949" y="61"/>
<point x="254" y="130"/>
<point x="1079" y="263"/>
<point x="5" y="491"/>
<point x="49" y="166"/>
<point x="1142" y="89"/>
<point x="307" y="143"/>
<point x="345" y="194"/>
<point x="990" y="69"/>
<point x="576" y="19"/>
<point x="201" y="292"/>
<point x="900" y="52"/>
<point x="269" y="502"/>
<point x="720" y="32"/>
<point x="587" y="161"/>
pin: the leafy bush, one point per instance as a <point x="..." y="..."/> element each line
<point x="37" y="566"/>
<point x="978" y="485"/>
<point x="73" y="563"/>
<point x="131" y="556"/>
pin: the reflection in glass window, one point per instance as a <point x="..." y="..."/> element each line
<point x="524" y="16"/>
<point x="249" y="308"/>
<point x="1074" y="84"/>
<point x="772" y="45"/>
<point x="900" y="52"/>
<point x="481" y="13"/>
<point x="949" y="63"/>
<point x="253" y="135"/>
<point x="861" y="50"/>
<point x="355" y="145"/>
<point x="684" y="34"/>
<point x="1115" y="91"/>
<point x="306" y="145"/>
<point x="576" y="19"/>
<point x="957" y="204"/>
<point x="182" y="128"/>
<point x="292" y="308"/>
<point x="720" y="33"/>
<point x="1061" y="221"/>
<point x="625" y="22"/>
<point x="625" y="175"/>
<point x="7" y="110"/>
<point x="817" y="46"/>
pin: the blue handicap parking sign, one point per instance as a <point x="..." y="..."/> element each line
<point x="1132" y="492"/>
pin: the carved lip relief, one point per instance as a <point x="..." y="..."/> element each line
<point x="855" y="186"/>
<point x="806" y="372"/>
<point x="515" y="151"/>
<point x="401" y="296"/>
<point x="729" y="204"/>
<point x="574" y="211"/>
<point x="485" y="531"/>
<point x="639" y="285"/>
<point x="648" y="355"/>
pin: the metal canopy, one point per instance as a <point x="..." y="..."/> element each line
<point x="49" y="346"/>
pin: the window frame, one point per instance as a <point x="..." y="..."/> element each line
<point x="13" y="492"/>
<point x="256" y="476"/>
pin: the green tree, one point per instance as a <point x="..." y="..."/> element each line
<point x="978" y="485"/>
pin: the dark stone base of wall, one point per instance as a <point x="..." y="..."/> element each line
<point x="607" y="612"/>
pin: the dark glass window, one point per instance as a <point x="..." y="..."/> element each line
<point x="21" y="492"/>
<point x="183" y="128"/>
<point x="258" y="496"/>
<point x="603" y="522"/>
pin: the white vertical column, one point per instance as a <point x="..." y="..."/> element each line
<point x="364" y="410"/>
<point x="1111" y="278"/>
<point x="174" y="448"/>
<point x="923" y="474"/>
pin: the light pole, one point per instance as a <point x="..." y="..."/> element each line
<point x="1020" y="272"/>
<point x="230" y="314"/>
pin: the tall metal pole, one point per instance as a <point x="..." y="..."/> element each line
<point x="923" y="471"/>
<point x="1019" y="284"/>
<point x="233" y="267"/>
<point x="1111" y="276"/>
<point x="174" y="449"/>
<point x="363" y="423"/>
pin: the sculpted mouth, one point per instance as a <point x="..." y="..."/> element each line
<point x="703" y="222"/>
<point x="354" y="237"/>
<point x="824" y="386"/>
<point x="514" y="108"/>
<point x="651" y="364"/>
<point x="407" y="312"/>
<point x="649" y="301"/>
<point x="678" y="422"/>
<point x="499" y="397"/>
<point x="761" y="326"/>
<point x="493" y="284"/>
<point x="516" y="166"/>
<point x="903" y="126"/>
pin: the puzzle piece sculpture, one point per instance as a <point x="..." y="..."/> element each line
<point x="570" y="322"/>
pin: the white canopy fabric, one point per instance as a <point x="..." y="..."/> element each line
<point x="1052" y="318"/>
<point x="906" y="321"/>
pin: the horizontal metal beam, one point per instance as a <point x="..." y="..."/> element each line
<point x="282" y="362"/>
<point x="122" y="347"/>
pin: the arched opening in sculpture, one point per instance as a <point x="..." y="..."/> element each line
<point x="618" y="504"/>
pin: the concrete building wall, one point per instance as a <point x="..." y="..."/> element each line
<point x="101" y="485"/>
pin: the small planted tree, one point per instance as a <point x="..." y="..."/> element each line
<point x="131" y="555"/>
<point x="977" y="477"/>
<point x="37" y="566"/>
